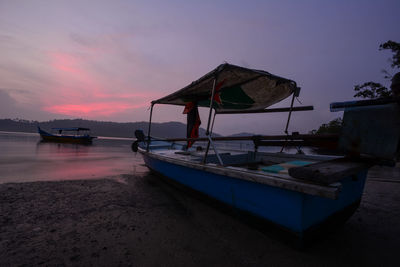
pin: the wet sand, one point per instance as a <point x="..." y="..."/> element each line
<point x="137" y="220"/>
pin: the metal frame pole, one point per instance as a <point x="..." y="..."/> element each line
<point x="211" y="103"/>
<point x="212" y="125"/>
<point x="148" y="132"/>
<point x="288" y="120"/>
<point x="209" y="119"/>
<point x="290" y="113"/>
<point x="215" y="150"/>
<point x="210" y="141"/>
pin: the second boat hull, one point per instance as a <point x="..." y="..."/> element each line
<point x="76" y="139"/>
<point x="67" y="139"/>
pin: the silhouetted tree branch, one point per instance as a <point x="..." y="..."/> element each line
<point x="395" y="47"/>
<point x="332" y="127"/>
<point x="373" y="90"/>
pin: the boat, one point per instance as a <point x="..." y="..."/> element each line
<point x="77" y="135"/>
<point x="304" y="195"/>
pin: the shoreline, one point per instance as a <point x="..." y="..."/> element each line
<point x="136" y="219"/>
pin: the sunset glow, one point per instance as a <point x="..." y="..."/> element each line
<point x="93" y="109"/>
<point x="67" y="63"/>
<point x="81" y="93"/>
<point x="108" y="60"/>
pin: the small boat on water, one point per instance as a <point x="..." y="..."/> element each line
<point x="303" y="194"/>
<point x="77" y="135"/>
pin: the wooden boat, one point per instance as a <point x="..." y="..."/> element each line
<point x="296" y="192"/>
<point x="76" y="135"/>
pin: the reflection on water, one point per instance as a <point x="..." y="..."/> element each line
<point x="24" y="157"/>
<point x="43" y="147"/>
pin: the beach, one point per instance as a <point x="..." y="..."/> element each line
<point x="136" y="219"/>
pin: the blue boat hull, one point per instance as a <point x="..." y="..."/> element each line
<point x="295" y="211"/>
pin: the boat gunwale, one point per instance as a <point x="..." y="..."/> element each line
<point x="330" y="191"/>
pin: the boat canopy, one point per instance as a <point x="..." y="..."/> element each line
<point x="237" y="89"/>
<point x="71" y="129"/>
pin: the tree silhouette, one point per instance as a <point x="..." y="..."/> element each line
<point x="395" y="47"/>
<point x="332" y="127"/>
<point x="373" y="90"/>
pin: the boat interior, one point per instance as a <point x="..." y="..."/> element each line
<point x="265" y="162"/>
<point x="298" y="168"/>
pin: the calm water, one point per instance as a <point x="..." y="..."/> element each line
<point x="25" y="158"/>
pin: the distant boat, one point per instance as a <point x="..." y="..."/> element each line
<point x="304" y="194"/>
<point x="76" y="135"/>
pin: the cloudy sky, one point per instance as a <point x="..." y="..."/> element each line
<point x="106" y="60"/>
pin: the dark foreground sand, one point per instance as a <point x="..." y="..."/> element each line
<point x="141" y="221"/>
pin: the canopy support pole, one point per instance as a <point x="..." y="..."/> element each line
<point x="148" y="132"/>
<point x="215" y="150"/>
<point x="212" y="125"/>
<point x="208" y="132"/>
<point x="288" y="119"/>
<point x="211" y="103"/>
<point x="290" y="114"/>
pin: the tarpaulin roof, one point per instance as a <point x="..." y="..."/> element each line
<point x="237" y="88"/>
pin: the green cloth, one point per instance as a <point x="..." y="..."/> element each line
<point x="284" y="167"/>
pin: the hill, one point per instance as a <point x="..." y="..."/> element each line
<point x="242" y="134"/>
<point x="101" y="128"/>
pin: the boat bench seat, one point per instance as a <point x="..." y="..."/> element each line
<point x="283" y="168"/>
<point x="331" y="171"/>
<point x="183" y="152"/>
<point x="233" y="160"/>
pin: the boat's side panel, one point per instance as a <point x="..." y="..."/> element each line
<point x="67" y="139"/>
<point x="293" y="210"/>
<point x="80" y="139"/>
<point x="317" y="209"/>
<point x="280" y="206"/>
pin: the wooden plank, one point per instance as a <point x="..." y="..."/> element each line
<point x="327" y="172"/>
<point x="309" y="143"/>
<point x="284" y="157"/>
<point x="305" y="137"/>
<point x="339" y="106"/>
<point x="269" y="110"/>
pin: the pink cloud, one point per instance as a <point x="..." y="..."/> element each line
<point x="93" y="109"/>
<point x="127" y="95"/>
<point x="81" y="94"/>
<point x="66" y="63"/>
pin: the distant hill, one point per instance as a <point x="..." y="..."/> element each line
<point x="242" y="134"/>
<point x="101" y="128"/>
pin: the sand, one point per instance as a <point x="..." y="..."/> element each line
<point x="137" y="220"/>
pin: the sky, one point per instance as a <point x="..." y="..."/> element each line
<point x="106" y="60"/>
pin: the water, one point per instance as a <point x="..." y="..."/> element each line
<point x="25" y="158"/>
